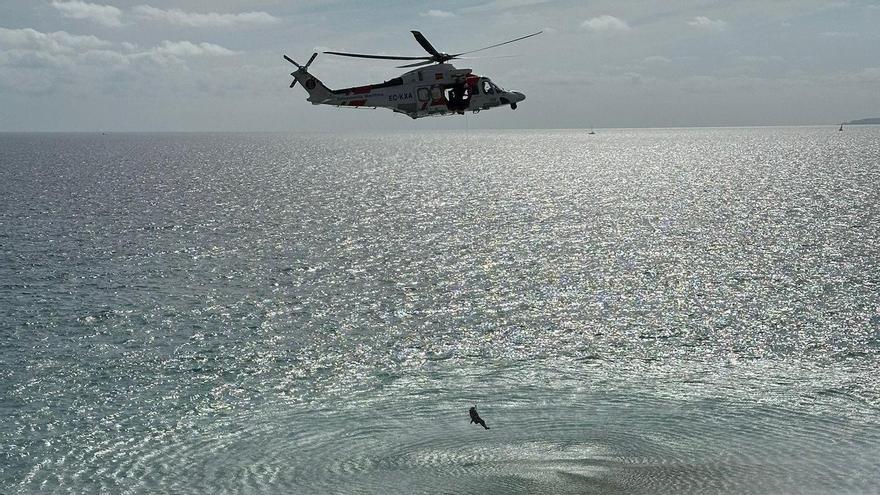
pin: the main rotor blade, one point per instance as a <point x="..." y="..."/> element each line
<point x="425" y="43"/>
<point x="383" y="57"/>
<point x="417" y="64"/>
<point x="498" y="44"/>
<point x="485" y="57"/>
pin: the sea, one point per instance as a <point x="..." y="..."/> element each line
<point x="639" y="311"/>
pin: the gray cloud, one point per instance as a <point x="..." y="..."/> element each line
<point x="440" y="14"/>
<point x="106" y="15"/>
<point x="63" y="43"/>
<point x="501" y="5"/>
<point x="759" y="59"/>
<point x="54" y="43"/>
<point x="35" y="62"/>
<point x="606" y="24"/>
<point x="190" y="49"/>
<point x="703" y="22"/>
<point x="657" y="59"/>
<point x="210" y="19"/>
<point x="868" y="75"/>
<point x="838" y="34"/>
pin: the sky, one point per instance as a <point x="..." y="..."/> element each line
<point x="186" y="65"/>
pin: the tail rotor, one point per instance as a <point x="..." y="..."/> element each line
<point x="303" y="68"/>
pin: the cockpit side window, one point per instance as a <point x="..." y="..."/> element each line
<point x="488" y="88"/>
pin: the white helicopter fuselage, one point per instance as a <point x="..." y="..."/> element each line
<point x="433" y="90"/>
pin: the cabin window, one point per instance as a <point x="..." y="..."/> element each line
<point x="423" y="94"/>
<point x="420" y="76"/>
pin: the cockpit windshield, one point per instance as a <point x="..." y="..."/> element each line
<point x="489" y="88"/>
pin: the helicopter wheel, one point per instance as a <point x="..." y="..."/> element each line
<point x="513" y="106"/>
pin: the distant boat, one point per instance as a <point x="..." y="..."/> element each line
<point x="591" y="130"/>
<point x="841" y="128"/>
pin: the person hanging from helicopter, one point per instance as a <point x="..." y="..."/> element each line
<point x="475" y="417"/>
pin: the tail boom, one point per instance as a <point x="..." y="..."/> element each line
<point x="318" y="92"/>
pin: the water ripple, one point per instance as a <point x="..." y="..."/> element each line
<point x="657" y="311"/>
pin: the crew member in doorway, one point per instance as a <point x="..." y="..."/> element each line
<point x="458" y="98"/>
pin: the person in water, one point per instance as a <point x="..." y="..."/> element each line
<point x="475" y="418"/>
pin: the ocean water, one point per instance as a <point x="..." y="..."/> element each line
<point x="663" y="311"/>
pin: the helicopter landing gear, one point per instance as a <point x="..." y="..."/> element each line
<point x="513" y="106"/>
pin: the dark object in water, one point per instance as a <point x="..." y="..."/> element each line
<point x="475" y="417"/>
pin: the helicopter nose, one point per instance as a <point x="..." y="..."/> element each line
<point x="517" y="96"/>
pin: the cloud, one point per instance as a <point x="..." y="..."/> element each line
<point x="170" y="67"/>
<point x="104" y="58"/>
<point x="498" y="5"/>
<point x="24" y="51"/>
<point x="174" y="53"/>
<point x="440" y="14"/>
<point x="868" y="75"/>
<point x="106" y="15"/>
<point x="54" y="43"/>
<point x="606" y="24"/>
<point x="111" y="16"/>
<point x="195" y="19"/>
<point x="188" y="48"/>
<point x="838" y="34"/>
<point x="31" y="60"/>
<point x="702" y="22"/>
<point x="585" y="78"/>
<point x="657" y="59"/>
<point x="759" y="59"/>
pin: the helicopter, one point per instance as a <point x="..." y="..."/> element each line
<point x="435" y="88"/>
